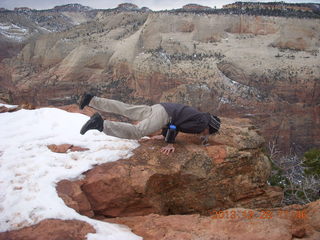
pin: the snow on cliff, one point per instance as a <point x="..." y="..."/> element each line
<point x="13" y="32"/>
<point x="30" y="171"/>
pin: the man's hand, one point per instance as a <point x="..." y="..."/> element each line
<point x="167" y="149"/>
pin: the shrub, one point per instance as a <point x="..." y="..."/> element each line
<point x="312" y="162"/>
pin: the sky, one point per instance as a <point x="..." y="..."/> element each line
<point x="152" y="4"/>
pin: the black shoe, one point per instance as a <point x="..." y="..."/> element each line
<point x="95" y="122"/>
<point x="85" y="100"/>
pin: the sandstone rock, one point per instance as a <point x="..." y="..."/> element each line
<point x="27" y="106"/>
<point x="192" y="227"/>
<point x="231" y="172"/>
<point x="235" y="223"/>
<point x="313" y="214"/>
<point x="63" y="148"/>
<point x="78" y="149"/>
<point x="51" y="229"/>
<point x="238" y="224"/>
<point x="74" y="197"/>
<point x="3" y="109"/>
<point x="299" y="232"/>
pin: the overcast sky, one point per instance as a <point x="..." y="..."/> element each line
<point x="153" y="4"/>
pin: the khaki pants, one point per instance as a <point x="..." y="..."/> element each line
<point x="152" y="118"/>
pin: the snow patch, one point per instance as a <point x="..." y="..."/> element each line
<point x="224" y="100"/>
<point x="45" y="29"/>
<point x="13" y="32"/>
<point x="30" y="171"/>
<point x="8" y="105"/>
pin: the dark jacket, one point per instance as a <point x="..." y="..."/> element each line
<point x="187" y="119"/>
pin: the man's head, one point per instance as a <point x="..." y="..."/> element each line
<point x="213" y="127"/>
<point x="214" y="124"/>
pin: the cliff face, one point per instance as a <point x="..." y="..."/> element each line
<point x="264" y="68"/>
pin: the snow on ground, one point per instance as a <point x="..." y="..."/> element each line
<point x="8" y="106"/>
<point x="29" y="171"/>
<point x="13" y="32"/>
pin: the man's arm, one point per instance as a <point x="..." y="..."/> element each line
<point x="157" y="137"/>
<point x="169" y="148"/>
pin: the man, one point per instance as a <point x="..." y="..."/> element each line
<point x="170" y="117"/>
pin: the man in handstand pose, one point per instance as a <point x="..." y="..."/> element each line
<point x="170" y="117"/>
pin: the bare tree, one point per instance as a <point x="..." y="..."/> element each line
<point x="289" y="172"/>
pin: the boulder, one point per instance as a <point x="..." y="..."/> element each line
<point x="231" y="172"/>
<point x="3" y="109"/>
<point x="63" y="148"/>
<point x="74" y="197"/>
<point x="51" y="229"/>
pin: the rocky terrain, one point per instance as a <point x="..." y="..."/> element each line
<point x="232" y="172"/>
<point x="215" y="192"/>
<point x="288" y="223"/>
<point x="260" y="67"/>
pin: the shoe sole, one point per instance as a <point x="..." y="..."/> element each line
<point x="83" y="129"/>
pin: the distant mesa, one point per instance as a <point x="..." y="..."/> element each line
<point x="145" y="9"/>
<point x="3" y="9"/>
<point x="193" y="6"/>
<point x="22" y="9"/>
<point x="75" y="7"/>
<point x="127" y="6"/>
<point x="132" y="7"/>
